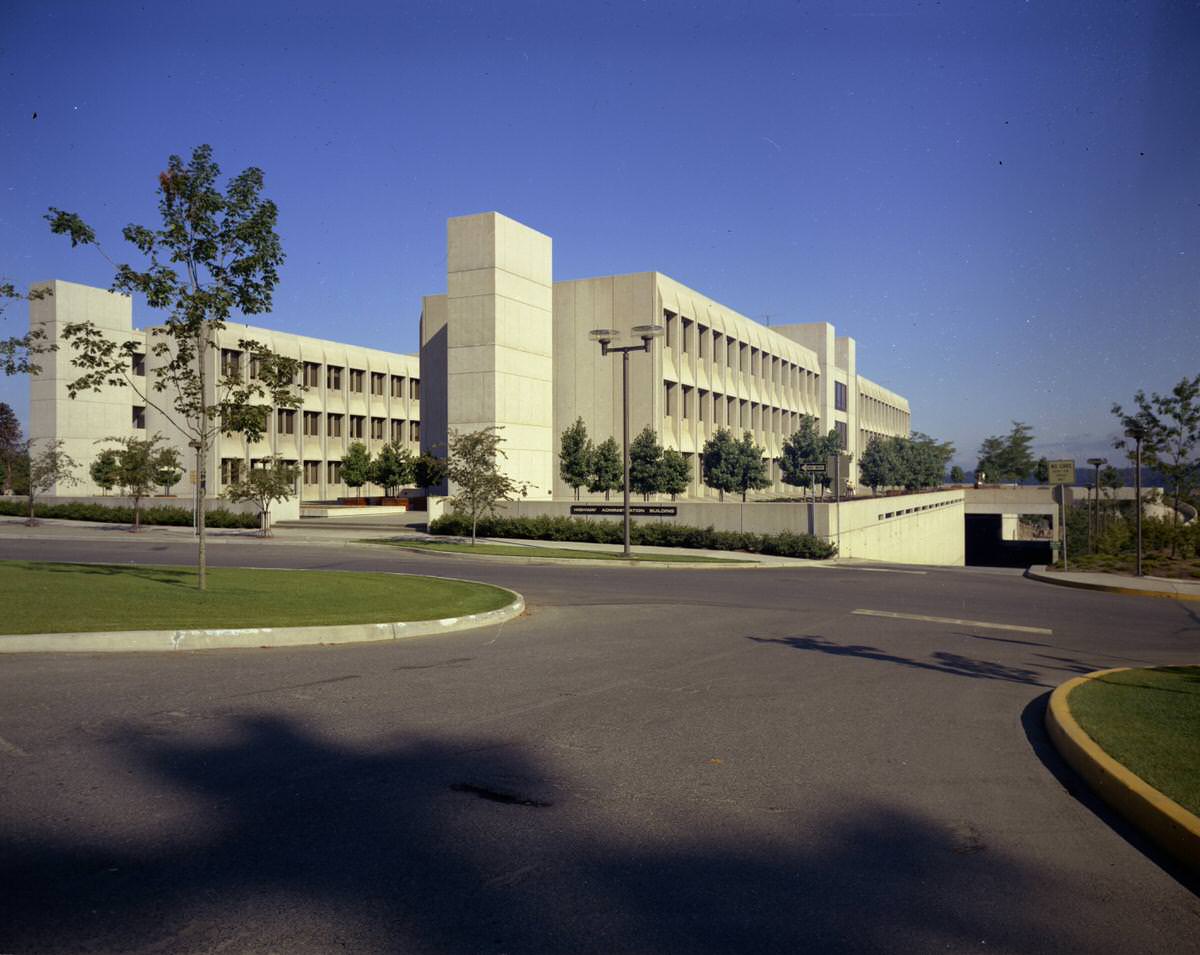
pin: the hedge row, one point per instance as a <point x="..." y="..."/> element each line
<point x="785" y="544"/>
<point x="159" y="514"/>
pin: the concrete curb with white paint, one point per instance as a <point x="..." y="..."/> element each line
<point x="1130" y="586"/>
<point x="157" y="641"/>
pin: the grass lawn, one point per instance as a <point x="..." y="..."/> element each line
<point x="56" y="598"/>
<point x="1148" y="720"/>
<point x="519" y="550"/>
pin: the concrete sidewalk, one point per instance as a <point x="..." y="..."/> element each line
<point x="1118" y="583"/>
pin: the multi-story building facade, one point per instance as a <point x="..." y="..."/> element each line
<point x="712" y="368"/>
<point x="350" y="394"/>
<point x="507" y="346"/>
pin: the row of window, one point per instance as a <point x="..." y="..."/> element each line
<point x="233" y="469"/>
<point x="356" y="378"/>
<point x="727" y="411"/>
<point x="355" y="426"/>
<point x="690" y="337"/>
<point x="873" y="411"/>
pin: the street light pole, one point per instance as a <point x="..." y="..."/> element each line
<point x="606" y="337"/>
<point x="1094" y="524"/>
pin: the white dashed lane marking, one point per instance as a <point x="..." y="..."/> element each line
<point x="953" y="620"/>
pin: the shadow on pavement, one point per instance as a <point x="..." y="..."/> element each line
<point x="939" y="662"/>
<point x="276" y="839"/>
<point x="1033" y="722"/>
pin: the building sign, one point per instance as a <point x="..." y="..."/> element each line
<point x="1062" y="472"/>
<point x="635" y="510"/>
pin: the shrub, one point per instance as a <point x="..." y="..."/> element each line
<point x="161" y="515"/>
<point x="540" y="527"/>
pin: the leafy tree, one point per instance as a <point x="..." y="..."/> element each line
<point x="956" y="475"/>
<point x="753" y="473"/>
<point x="1008" y="458"/>
<point x="357" y="467"/>
<point x="1041" y="471"/>
<point x="216" y="253"/>
<point x="645" y="463"/>
<point x="137" y="465"/>
<point x="48" y="467"/>
<point x="674" y="475"/>
<point x="608" y="470"/>
<point x="272" y="480"/>
<point x="573" y="464"/>
<point x="428" y="471"/>
<point x="720" y="462"/>
<point x="1110" y="478"/>
<point x="170" y="469"/>
<point x="1171" y="427"/>
<point x="807" y="445"/>
<point x="475" y="476"/>
<point x="10" y="444"/>
<point x="392" y="470"/>
<point x="925" y="460"/>
<point x="879" y="466"/>
<point x="18" y="353"/>
<point x="105" y="470"/>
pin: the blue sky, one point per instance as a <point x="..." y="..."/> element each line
<point x="1000" y="201"/>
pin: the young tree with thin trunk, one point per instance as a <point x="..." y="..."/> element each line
<point x="216" y="255"/>
<point x="271" y="481"/>
<point x="573" y="464"/>
<point x="48" y="467"/>
<point x="136" y="465"/>
<point x="752" y="473"/>
<point x="475" y="476"/>
<point x="673" y="473"/>
<point x="720" y="462"/>
<point x="645" y="464"/>
<point x="392" y="469"/>
<point x="11" y="444"/>
<point x="104" y="470"/>
<point x="957" y="476"/>
<point x="428" y="471"/>
<point x="608" y="470"/>
<point x="357" y="467"/>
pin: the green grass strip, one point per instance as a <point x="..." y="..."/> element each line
<point x="64" y="598"/>
<point x="569" y="553"/>
<point x="1149" y="721"/>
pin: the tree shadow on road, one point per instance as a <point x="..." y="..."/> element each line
<point x="273" y="838"/>
<point x="939" y="662"/>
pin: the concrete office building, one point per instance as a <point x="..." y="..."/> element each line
<point x="352" y="394"/>
<point x="509" y="346"/>
<point x="506" y="345"/>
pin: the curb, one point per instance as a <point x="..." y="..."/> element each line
<point x="734" y="564"/>
<point x="1171" y="826"/>
<point x="142" y="641"/>
<point x="1039" y="573"/>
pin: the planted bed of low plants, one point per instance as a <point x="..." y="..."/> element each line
<point x="654" y="534"/>
<point x="161" y="515"/>
<point x="488" y="549"/>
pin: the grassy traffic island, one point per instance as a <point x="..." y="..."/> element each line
<point x="1154" y="564"/>
<point x="1147" y="720"/>
<point x="534" y="551"/>
<point x="63" y="598"/>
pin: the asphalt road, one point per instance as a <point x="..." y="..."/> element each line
<point x="649" y="760"/>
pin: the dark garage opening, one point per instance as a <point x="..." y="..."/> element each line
<point x="986" y="548"/>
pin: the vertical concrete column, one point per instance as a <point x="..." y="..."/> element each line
<point x="500" y="341"/>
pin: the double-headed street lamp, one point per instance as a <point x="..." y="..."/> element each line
<point x="606" y="337"/>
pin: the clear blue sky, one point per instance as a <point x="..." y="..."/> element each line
<point x="1000" y="201"/>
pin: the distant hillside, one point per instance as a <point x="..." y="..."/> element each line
<point x="1083" y="475"/>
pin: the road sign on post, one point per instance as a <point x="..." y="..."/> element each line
<point x="1062" y="473"/>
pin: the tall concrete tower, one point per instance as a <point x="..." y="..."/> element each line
<point x="500" y="341"/>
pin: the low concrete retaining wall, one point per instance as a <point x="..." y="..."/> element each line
<point x="906" y="529"/>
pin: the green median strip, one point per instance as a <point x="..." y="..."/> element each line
<point x="568" y="553"/>
<point x="68" y="598"/>
<point x="1147" y="720"/>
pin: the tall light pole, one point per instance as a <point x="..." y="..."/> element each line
<point x="1094" y="524"/>
<point x="1137" y="431"/>
<point x="606" y="337"/>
